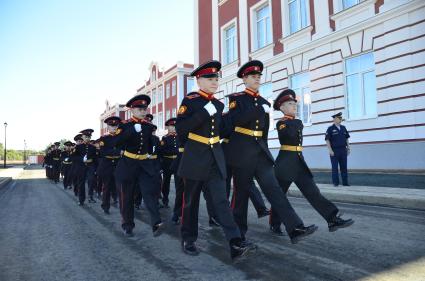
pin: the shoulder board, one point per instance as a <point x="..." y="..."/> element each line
<point x="192" y="96"/>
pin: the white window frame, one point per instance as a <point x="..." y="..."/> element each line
<point x="224" y="28"/>
<point x="161" y="120"/>
<point x="253" y="24"/>
<point x="174" y="113"/>
<point x="307" y="6"/>
<point x="153" y="75"/>
<point x="173" y="87"/>
<point x="300" y="114"/>
<point x="364" y="116"/>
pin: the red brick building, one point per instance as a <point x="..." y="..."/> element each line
<point x="166" y="89"/>
<point x="111" y="110"/>
<point x="364" y="58"/>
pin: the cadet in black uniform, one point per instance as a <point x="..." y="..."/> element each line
<point x="56" y="162"/>
<point x="135" y="169"/>
<point x="66" y="165"/>
<point x="202" y="164"/>
<point x="291" y="166"/>
<point x="109" y="155"/>
<point x="84" y="156"/>
<point x="168" y="151"/>
<point x="75" y="160"/>
<point x="339" y="148"/>
<point x="250" y="157"/>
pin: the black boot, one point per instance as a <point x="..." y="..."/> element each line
<point x="240" y="250"/>
<point x="337" y="222"/>
<point x="128" y="232"/>
<point x="158" y="228"/>
<point x="213" y="222"/>
<point x="190" y="248"/>
<point x="275" y="229"/>
<point x="301" y="232"/>
<point x="263" y="213"/>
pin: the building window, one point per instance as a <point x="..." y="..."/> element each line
<point x="153" y="75"/>
<point x="263" y="32"/>
<point x="298" y="15"/>
<point x="266" y="92"/>
<point x="300" y="83"/>
<point x="190" y="85"/>
<point x="159" y="94"/>
<point x="154" y="95"/>
<point x="173" y="87"/>
<point x="160" y="121"/>
<point x="174" y="113"/>
<point x="230" y="46"/>
<point x="361" y="86"/>
<point x="349" y="3"/>
<point x="167" y="90"/>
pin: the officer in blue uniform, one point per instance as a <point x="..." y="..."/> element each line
<point x="135" y="169"/>
<point x="339" y="148"/>
<point x="202" y="165"/>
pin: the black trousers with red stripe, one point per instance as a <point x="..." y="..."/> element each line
<point x="216" y="187"/>
<point x="265" y="176"/>
<point x="178" y="202"/>
<point x="149" y="188"/>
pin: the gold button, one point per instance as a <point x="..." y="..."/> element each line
<point x="212" y="127"/>
<point x="212" y="133"/>
<point x="257" y="121"/>
<point x="211" y="146"/>
<point x="256" y="127"/>
<point x="255" y="99"/>
<point x="138" y="151"/>
<point x="212" y="120"/>
<point x="256" y="104"/>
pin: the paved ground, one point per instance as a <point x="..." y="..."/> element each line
<point x="44" y="235"/>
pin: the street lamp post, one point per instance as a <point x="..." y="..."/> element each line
<point x="4" y="159"/>
<point x="25" y="152"/>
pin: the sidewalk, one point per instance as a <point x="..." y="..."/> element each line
<point x="384" y="196"/>
<point x="6" y="175"/>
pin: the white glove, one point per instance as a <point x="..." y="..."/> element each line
<point x="266" y="108"/>
<point x="138" y="127"/>
<point x="85" y="158"/>
<point x="210" y="108"/>
<point x="66" y="159"/>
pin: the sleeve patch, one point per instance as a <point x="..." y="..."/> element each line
<point x="182" y="109"/>
<point x="282" y="126"/>
<point x="232" y="105"/>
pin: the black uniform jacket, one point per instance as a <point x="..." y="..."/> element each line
<point x="198" y="158"/>
<point x="290" y="165"/>
<point x="137" y="143"/>
<point x="246" y="111"/>
<point x="109" y="154"/>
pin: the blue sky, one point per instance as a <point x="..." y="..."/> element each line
<point x="61" y="59"/>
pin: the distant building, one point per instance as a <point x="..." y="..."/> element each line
<point x="166" y="90"/>
<point x="111" y="110"/>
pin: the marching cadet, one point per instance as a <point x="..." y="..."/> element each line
<point x="155" y="156"/>
<point x="48" y="162"/>
<point x="168" y="150"/>
<point x="56" y="162"/>
<point x="66" y="165"/>
<point x="250" y="157"/>
<point x="135" y="169"/>
<point x="109" y="156"/>
<point x="179" y="183"/>
<point x="85" y="154"/>
<point x="291" y="166"/>
<point x="339" y="148"/>
<point x="74" y="166"/>
<point x="202" y="164"/>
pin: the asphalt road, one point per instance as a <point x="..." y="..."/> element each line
<point x="45" y="235"/>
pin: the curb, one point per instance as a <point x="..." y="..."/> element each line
<point x="5" y="181"/>
<point x="370" y="199"/>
